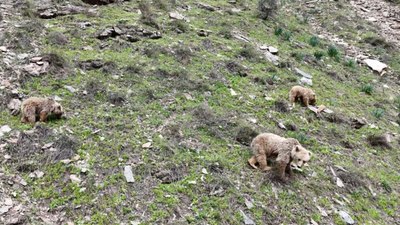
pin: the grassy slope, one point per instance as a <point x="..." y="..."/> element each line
<point x="197" y="136"/>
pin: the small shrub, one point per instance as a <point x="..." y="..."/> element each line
<point x="314" y="41"/>
<point x="298" y="56"/>
<point x="378" y="113"/>
<point x="278" y="31"/>
<point x="249" y="52"/>
<point x="333" y="52"/>
<point x="225" y="33"/>
<point x="319" y="54"/>
<point x="267" y="8"/>
<point x="350" y="63"/>
<point x="386" y="186"/>
<point x="287" y="35"/>
<point x="367" y="89"/>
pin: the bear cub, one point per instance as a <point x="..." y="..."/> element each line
<point x="33" y="109"/>
<point x="288" y="152"/>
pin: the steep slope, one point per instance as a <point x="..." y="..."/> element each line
<point x="176" y="90"/>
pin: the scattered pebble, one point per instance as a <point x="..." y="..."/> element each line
<point x="233" y="93"/>
<point x="128" y="174"/>
<point x="249" y="204"/>
<point x="247" y="219"/>
<point x="146" y="145"/>
<point x="75" y="179"/>
<point x="346" y="217"/>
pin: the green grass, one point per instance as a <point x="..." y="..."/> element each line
<point x="189" y="134"/>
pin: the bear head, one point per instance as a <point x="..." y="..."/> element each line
<point x="300" y="156"/>
<point x="56" y="109"/>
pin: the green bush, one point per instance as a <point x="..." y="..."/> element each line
<point x="278" y="31"/>
<point x="333" y="52"/>
<point x="319" y="54"/>
<point x="314" y="41"/>
<point x="378" y="113"/>
<point x="367" y="89"/>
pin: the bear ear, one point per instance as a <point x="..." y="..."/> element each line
<point x="297" y="148"/>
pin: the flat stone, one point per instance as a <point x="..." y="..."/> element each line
<point x="305" y="80"/>
<point x="346" y="217"/>
<point x="75" y="179"/>
<point x="176" y="16"/>
<point x="146" y="145"/>
<point x="128" y="174"/>
<point x="247" y="219"/>
<point x="273" y="50"/>
<point x="375" y="65"/>
<point x="302" y="73"/>
<point x="70" y="88"/>
<point x="3" y="48"/>
<point x="272" y="58"/>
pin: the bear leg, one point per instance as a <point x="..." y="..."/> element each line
<point x="262" y="161"/>
<point x="43" y="116"/>
<point x="252" y="162"/>
<point x="281" y="170"/>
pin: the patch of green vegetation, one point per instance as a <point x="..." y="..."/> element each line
<point x="333" y="52"/>
<point x="319" y="55"/>
<point x="368" y="89"/>
<point x="163" y="85"/>
<point x="378" y="113"/>
<point x="314" y="41"/>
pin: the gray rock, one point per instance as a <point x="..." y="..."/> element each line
<point x="305" y="80"/>
<point x="272" y="58"/>
<point x="375" y="65"/>
<point x="247" y="219"/>
<point x="70" y="88"/>
<point x="346" y="217"/>
<point x="273" y="50"/>
<point x="302" y="73"/>
<point x="128" y="174"/>
<point x="14" y="106"/>
<point x="248" y="203"/>
<point x="4" y="129"/>
<point x="176" y="16"/>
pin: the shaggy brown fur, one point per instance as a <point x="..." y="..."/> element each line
<point x="306" y="95"/>
<point x="288" y="152"/>
<point x="40" y="108"/>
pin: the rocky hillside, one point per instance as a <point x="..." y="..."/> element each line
<point x="162" y="99"/>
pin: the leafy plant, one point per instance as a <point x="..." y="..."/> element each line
<point x="378" y="113"/>
<point x="367" y="89"/>
<point x="319" y="54"/>
<point x="333" y="52"/>
<point x="314" y="41"/>
<point x="249" y="52"/>
<point x="278" y="31"/>
<point x="287" y="35"/>
<point x="350" y="63"/>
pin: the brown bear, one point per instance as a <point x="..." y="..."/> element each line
<point x="306" y="95"/>
<point x="35" y="108"/>
<point x="288" y="153"/>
